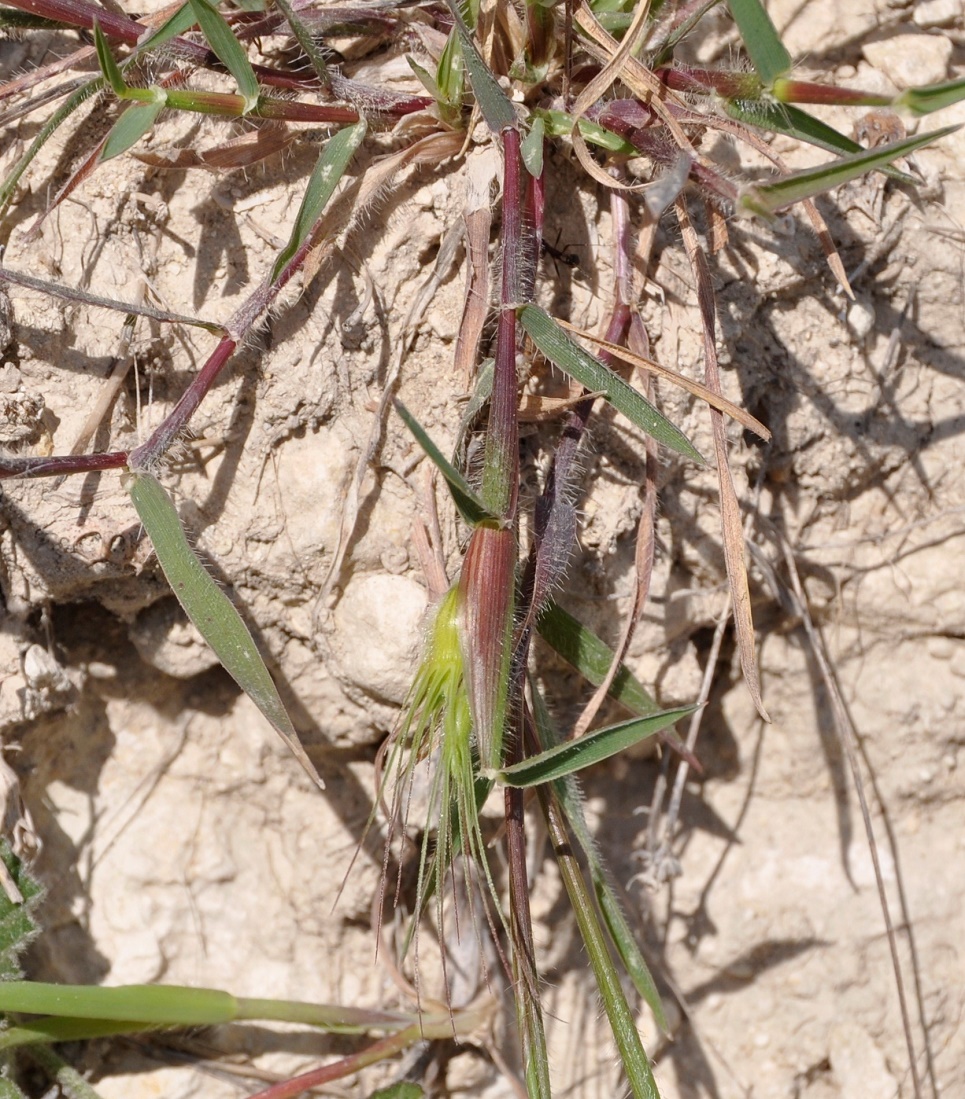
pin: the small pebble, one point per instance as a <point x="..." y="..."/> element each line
<point x="861" y="319"/>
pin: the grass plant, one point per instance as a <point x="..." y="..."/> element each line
<point x="600" y="82"/>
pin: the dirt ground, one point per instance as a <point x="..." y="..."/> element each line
<point x="182" y="844"/>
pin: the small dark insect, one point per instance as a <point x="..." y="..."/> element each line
<point x="571" y="259"/>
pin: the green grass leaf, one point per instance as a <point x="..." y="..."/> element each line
<point x="210" y="609"/>
<point x="426" y="79"/>
<point x="619" y="1016"/>
<point x="179" y="1005"/>
<point x="227" y="49"/>
<point x="578" y="363"/>
<point x="180" y="21"/>
<point x="932" y="97"/>
<point x="128" y="130"/>
<point x="471" y="508"/>
<point x="403" y="1090"/>
<point x="91" y="89"/>
<point x="450" y="76"/>
<point x="583" y="650"/>
<point x="305" y="40"/>
<point x="16" y="20"/>
<point x="784" y="118"/>
<point x="571" y="800"/>
<point x="497" y="109"/>
<point x="326" y="176"/>
<point x="576" y="755"/>
<point x="108" y="66"/>
<point x="766" y="199"/>
<point x="764" y="45"/>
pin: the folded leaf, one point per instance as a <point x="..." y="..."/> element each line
<point x="574" y="360"/>
<point x="592" y="658"/>
<point x="932" y="97"/>
<point x="227" y="48"/>
<point x="767" y="52"/>
<point x="767" y="198"/>
<point x="128" y="130"/>
<point x="210" y="610"/>
<point x="576" y="755"/>
<point x="326" y="176"/>
<point x="497" y="110"/>
<point x="471" y="508"/>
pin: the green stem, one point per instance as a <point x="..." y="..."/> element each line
<point x="619" y="1016"/>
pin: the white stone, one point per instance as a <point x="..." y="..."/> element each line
<point x="861" y="319"/>
<point x="911" y="60"/>
<point x="378" y="633"/>
<point x="939" y="13"/>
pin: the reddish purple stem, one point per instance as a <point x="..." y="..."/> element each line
<point x="120" y="28"/>
<point x="147" y="454"/>
<point x="58" y="464"/>
<point x="501" y="471"/>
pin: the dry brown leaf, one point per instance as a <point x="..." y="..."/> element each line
<point x="732" y="531"/>
<point x="483" y="173"/>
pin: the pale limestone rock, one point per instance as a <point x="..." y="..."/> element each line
<point x="377" y="633"/>
<point x="858" y="1064"/>
<point x="910" y="60"/>
<point x="939" y="13"/>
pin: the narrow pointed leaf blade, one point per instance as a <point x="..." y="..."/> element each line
<point x="75" y="294"/>
<point x="932" y="97"/>
<point x="128" y="130"/>
<point x="92" y="89"/>
<point x="560" y="124"/>
<point x="450" y="76"/>
<point x="227" y="48"/>
<point x="210" y="610"/>
<point x="768" y="198"/>
<point x="574" y="360"/>
<point x="581" y="648"/>
<point x="14" y="20"/>
<point x="305" y="40"/>
<point x="108" y="66"/>
<point x="626" y="945"/>
<point x="471" y="508"/>
<point x="576" y="755"/>
<point x="785" y="118"/>
<point x="622" y="1023"/>
<point x="326" y="176"/>
<point x="496" y="108"/>
<point x="180" y="21"/>
<point x="426" y="79"/>
<point x="764" y="45"/>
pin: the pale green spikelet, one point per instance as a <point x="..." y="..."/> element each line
<point x="437" y="730"/>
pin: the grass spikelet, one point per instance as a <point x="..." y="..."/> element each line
<point x="437" y="730"/>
